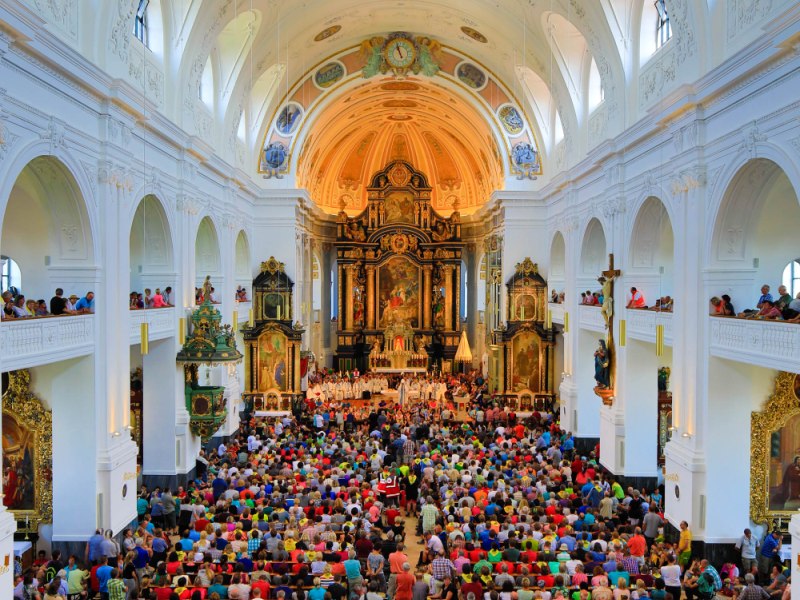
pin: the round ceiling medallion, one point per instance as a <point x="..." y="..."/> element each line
<point x="327" y="32"/>
<point x="474" y="34"/>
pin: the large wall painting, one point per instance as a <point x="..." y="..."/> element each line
<point x="272" y="361"/>
<point x="525" y="350"/>
<point x="399" y="292"/>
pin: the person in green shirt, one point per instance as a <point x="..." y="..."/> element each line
<point x="76" y="580"/>
<point x="617" y="491"/>
<point x="117" y="590"/>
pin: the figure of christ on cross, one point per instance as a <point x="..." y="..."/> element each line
<point x="607" y="281"/>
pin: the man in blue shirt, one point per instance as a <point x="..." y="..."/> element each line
<point x="769" y="554"/>
<point x="103" y="575"/>
<point x="86" y="304"/>
<point x="94" y="547"/>
<point x="765" y="296"/>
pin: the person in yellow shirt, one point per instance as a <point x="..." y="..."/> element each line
<point x="684" y="545"/>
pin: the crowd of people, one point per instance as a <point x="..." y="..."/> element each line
<point x="148" y="300"/>
<point x="785" y="308"/>
<point x="402" y="501"/>
<point x="16" y="306"/>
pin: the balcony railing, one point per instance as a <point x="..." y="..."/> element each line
<point x="27" y="343"/>
<point x="591" y="318"/>
<point x="641" y="324"/>
<point x="557" y="311"/>
<point x="161" y="323"/>
<point x="771" y="344"/>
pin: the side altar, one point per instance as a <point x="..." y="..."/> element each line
<point x="399" y="267"/>
<point x="272" y="343"/>
<point x="522" y="358"/>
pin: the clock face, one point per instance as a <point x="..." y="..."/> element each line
<point x="400" y="53"/>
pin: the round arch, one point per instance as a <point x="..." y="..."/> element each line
<point x="45" y="202"/>
<point x="152" y="252"/>
<point x="558" y="263"/>
<point x="242" y="261"/>
<point x="594" y="248"/>
<point x="207" y="252"/>
<point x="651" y="256"/>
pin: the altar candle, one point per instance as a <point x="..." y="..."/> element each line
<point x="279" y="313"/>
<point x="523" y="313"/>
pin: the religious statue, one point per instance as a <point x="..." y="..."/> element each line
<point x="355" y="232"/>
<point x="607" y="308"/>
<point x="207" y="288"/>
<point x="438" y="309"/>
<point x="602" y="363"/>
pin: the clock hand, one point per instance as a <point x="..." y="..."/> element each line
<point x="398" y="51"/>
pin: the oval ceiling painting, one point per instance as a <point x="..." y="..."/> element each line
<point x="510" y="118"/>
<point x="471" y="76"/>
<point x="328" y="74"/>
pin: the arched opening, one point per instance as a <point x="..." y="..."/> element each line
<point x="242" y="265"/>
<point x="755" y="232"/>
<point x="46" y="205"/>
<point x="151" y="256"/>
<point x="558" y="266"/>
<point x="593" y="249"/>
<point x="207" y="256"/>
<point x="652" y="252"/>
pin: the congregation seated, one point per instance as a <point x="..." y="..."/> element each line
<point x="556" y="297"/>
<point x="302" y="507"/>
<point x="148" y="300"/>
<point x="721" y="306"/>
<point x="636" y="300"/>
<point x="16" y="306"/>
<point x="663" y="304"/>
<point x="785" y="308"/>
<point x="241" y="294"/>
<point x="199" y="296"/>
<point x="590" y="298"/>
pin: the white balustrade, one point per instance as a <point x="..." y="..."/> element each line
<point x="557" y="311"/>
<point x="161" y="324"/>
<point x="771" y="344"/>
<point x="641" y="324"/>
<point x="591" y="318"/>
<point x="28" y="343"/>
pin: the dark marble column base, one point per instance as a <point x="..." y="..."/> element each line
<point x="170" y="481"/>
<point x="585" y="445"/>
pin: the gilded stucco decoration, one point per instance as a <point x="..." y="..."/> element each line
<point x="27" y="454"/>
<point x="774" y="485"/>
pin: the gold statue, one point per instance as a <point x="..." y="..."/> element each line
<point x="607" y="309"/>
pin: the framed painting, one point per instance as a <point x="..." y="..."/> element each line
<point x="272" y="361"/>
<point x="775" y="454"/>
<point x="399" y="207"/>
<point x="398" y="289"/>
<point x="525" y="362"/>
<point x="27" y="454"/>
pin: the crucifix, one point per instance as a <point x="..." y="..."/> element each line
<point x="604" y="355"/>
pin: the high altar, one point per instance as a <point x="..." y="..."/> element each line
<point x="399" y="265"/>
<point x="272" y="343"/>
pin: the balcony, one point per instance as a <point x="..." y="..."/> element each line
<point x="244" y="311"/>
<point x="161" y="320"/>
<point x="591" y="318"/>
<point x="770" y="344"/>
<point x="641" y="325"/>
<point x="28" y="343"/>
<point x="557" y="311"/>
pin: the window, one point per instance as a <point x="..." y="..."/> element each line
<point x="140" y="23"/>
<point x="791" y="277"/>
<point x="663" y="29"/>
<point x="11" y="275"/>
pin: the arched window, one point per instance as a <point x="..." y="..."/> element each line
<point x="791" y="277"/>
<point x="10" y="273"/>
<point x="140" y="23"/>
<point x="663" y="29"/>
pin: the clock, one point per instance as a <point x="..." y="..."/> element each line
<point x="400" y="53"/>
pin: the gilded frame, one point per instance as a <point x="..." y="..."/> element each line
<point x="781" y="406"/>
<point x="28" y="411"/>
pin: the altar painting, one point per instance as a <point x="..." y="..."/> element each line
<point x="18" y="475"/>
<point x="525" y="307"/>
<point x="272" y="361"/>
<point x="399" y="207"/>
<point x="399" y="292"/>
<point x="27" y="433"/>
<point x="525" y="372"/>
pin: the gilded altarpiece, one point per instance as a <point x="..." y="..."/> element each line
<point x="272" y="343"/>
<point x="775" y="455"/>
<point x="524" y="348"/>
<point x="27" y="454"/>
<point x="399" y="266"/>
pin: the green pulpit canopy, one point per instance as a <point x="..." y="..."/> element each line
<point x="210" y="343"/>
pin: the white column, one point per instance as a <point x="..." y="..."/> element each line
<point x="794" y="560"/>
